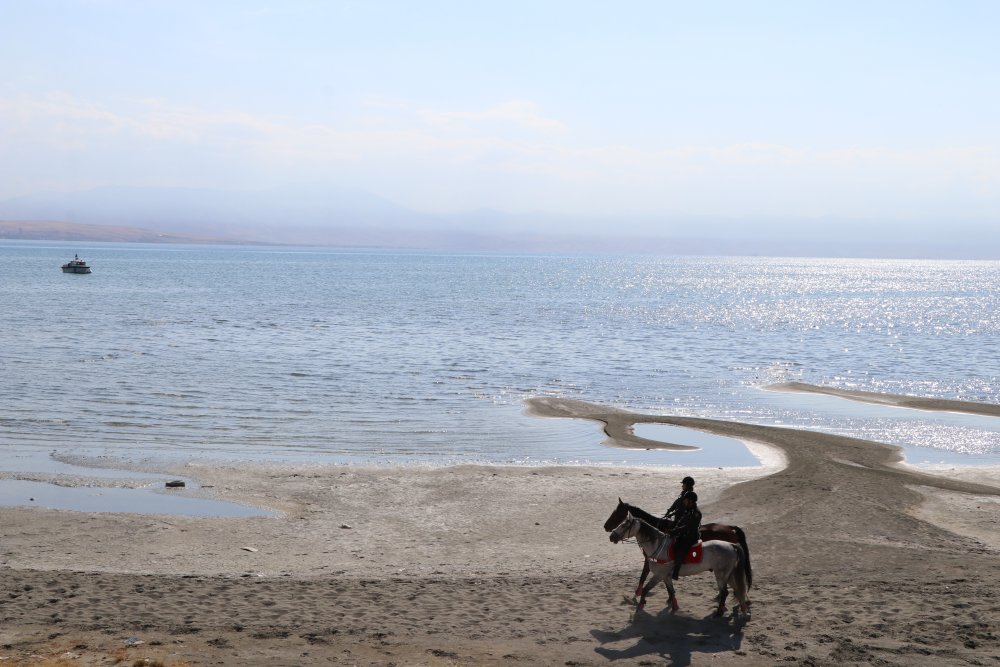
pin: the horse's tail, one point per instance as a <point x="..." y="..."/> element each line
<point x="740" y="576"/>
<point x="747" y="570"/>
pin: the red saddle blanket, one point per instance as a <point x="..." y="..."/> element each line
<point x="693" y="554"/>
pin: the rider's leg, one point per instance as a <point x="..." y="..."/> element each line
<point x="681" y="548"/>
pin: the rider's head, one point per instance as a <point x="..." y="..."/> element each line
<point x="690" y="498"/>
<point x="688" y="483"/>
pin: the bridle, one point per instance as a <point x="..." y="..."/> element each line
<point x="624" y="527"/>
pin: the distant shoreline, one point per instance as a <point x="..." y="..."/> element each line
<point x="50" y="230"/>
<point x="394" y="234"/>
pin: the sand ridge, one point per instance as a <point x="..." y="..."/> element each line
<point x="896" y="400"/>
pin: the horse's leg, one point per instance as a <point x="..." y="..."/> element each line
<point x="720" y="580"/>
<point x="649" y="587"/>
<point x="738" y="581"/>
<point x="672" y="599"/>
<point x="740" y="590"/>
<point x="644" y="591"/>
<point x="639" y="592"/>
<point x="642" y="596"/>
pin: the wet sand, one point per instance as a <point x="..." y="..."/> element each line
<point x="857" y="559"/>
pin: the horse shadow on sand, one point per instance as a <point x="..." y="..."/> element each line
<point x="671" y="637"/>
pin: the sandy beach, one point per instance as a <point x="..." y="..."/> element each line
<point x="858" y="559"/>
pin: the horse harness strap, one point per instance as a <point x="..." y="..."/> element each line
<point x="658" y="551"/>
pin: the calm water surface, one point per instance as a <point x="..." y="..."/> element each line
<point x="170" y="353"/>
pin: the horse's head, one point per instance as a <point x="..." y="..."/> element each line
<point x="616" y="516"/>
<point x="626" y="529"/>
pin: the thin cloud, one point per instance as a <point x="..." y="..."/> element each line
<point x="514" y="168"/>
<point x="520" y="113"/>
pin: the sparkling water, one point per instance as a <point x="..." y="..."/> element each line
<point x="172" y="353"/>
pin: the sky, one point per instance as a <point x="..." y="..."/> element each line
<point x="885" y="114"/>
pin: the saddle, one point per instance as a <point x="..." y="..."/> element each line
<point x="692" y="556"/>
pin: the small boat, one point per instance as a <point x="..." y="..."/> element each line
<point x="76" y="265"/>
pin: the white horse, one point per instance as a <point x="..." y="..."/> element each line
<point x="725" y="559"/>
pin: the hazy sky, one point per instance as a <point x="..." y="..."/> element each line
<point x="881" y="111"/>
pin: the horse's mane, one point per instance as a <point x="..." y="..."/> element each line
<point x="647" y="530"/>
<point x="618" y="515"/>
<point x="653" y="521"/>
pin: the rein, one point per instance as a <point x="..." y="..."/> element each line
<point x="649" y="535"/>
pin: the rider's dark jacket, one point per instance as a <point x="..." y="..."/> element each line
<point x="676" y="508"/>
<point x="688" y="521"/>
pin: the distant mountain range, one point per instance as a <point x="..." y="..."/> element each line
<point x="308" y="215"/>
<point x="294" y="215"/>
<point x="317" y="215"/>
<point x="321" y="215"/>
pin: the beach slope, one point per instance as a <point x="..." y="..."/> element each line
<point x="857" y="560"/>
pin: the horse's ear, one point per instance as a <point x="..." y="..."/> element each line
<point x="620" y="500"/>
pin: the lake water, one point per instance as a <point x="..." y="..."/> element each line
<point x="171" y="353"/>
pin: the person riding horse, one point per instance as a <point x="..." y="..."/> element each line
<point x="687" y="484"/>
<point x="708" y="532"/>
<point x="685" y="531"/>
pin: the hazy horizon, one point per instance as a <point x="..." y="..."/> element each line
<point x="852" y="123"/>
